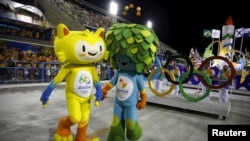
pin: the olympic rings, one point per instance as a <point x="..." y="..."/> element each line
<point x="190" y="70"/>
<point x="150" y="82"/>
<point x="223" y="84"/>
<point x="190" y="98"/>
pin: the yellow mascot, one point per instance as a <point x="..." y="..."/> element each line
<point x="78" y="51"/>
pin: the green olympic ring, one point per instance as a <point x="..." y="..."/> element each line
<point x="188" y="97"/>
<point x="150" y="83"/>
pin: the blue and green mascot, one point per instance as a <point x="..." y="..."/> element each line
<point x="132" y="51"/>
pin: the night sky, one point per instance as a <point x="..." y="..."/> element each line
<point x="181" y="24"/>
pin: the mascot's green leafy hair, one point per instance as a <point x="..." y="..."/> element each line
<point x="138" y="42"/>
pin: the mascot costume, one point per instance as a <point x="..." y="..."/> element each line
<point x="78" y="51"/>
<point x="132" y="51"/>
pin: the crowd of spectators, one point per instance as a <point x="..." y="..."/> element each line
<point x="83" y="15"/>
<point x="19" y="65"/>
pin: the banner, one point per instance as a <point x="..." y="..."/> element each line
<point x="227" y="36"/>
<point x="228" y="33"/>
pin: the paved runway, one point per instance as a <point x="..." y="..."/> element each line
<point x="22" y="117"/>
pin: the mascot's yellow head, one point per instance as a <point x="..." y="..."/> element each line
<point x="79" y="47"/>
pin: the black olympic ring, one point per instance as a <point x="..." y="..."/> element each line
<point x="223" y="84"/>
<point x="190" y="70"/>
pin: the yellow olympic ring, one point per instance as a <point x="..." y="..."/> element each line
<point x="150" y="83"/>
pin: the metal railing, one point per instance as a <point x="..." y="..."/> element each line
<point x="44" y="72"/>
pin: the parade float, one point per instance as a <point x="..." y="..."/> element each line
<point x="193" y="76"/>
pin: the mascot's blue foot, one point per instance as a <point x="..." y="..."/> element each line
<point x="116" y="133"/>
<point x="134" y="134"/>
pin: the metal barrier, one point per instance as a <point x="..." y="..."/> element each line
<point x="44" y="72"/>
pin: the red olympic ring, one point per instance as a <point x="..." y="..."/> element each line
<point x="223" y="84"/>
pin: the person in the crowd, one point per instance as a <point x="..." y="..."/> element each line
<point x="212" y="75"/>
<point x="177" y="74"/>
<point x="224" y="75"/>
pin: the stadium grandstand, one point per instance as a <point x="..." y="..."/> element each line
<point x="27" y="32"/>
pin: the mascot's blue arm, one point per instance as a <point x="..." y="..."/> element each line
<point x="98" y="93"/>
<point x="46" y="93"/>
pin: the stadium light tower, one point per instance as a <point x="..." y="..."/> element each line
<point x="113" y="8"/>
<point x="149" y="24"/>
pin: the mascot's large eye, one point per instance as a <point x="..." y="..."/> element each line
<point x="83" y="48"/>
<point x="100" y="48"/>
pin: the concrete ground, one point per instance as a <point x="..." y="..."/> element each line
<point x="22" y="117"/>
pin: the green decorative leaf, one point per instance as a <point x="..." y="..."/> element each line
<point x="135" y="60"/>
<point x="136" y="30"/>
<point x="150" y="38"/>
<point x="129" y="53"/>
<point x="133" y="49"/>
<point x="117" y="31"/>
<point x="131" y="25"/>
<point x="108" y="33"/>
<point x="143" y="51"/>
<point x="145" y="45"/>
<point x="142" y="58"/>
<point x="140" y="67"/>
<point x="139" y="37"/>
<point x="138" y="40"/>
<point x="120" y="25"/>
<point x="153" y="48"/>
<point x="118" y="37"/>
<point x="109" y="41"/>
<point x="145" y="33"/>
<point x="130" y="40"/>
<point x="148" y="60"/>
<point x="127" y="33"/>
<point x="123" y="43"/>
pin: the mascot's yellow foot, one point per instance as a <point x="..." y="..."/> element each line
<point x="60" y="138"/>
<point x="63" y="132"/>
<point x="95" y="139"/>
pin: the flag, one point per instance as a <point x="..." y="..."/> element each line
<point x="246" y="32"/>
<point x="207" y="33"/>
<point x="215" y="33"/>
<point x="197" y="54"/>
<point x="239" y="32"/>
<point x="191" y="53"/>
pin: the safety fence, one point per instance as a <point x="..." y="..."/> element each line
<point x="43" y="72"/>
